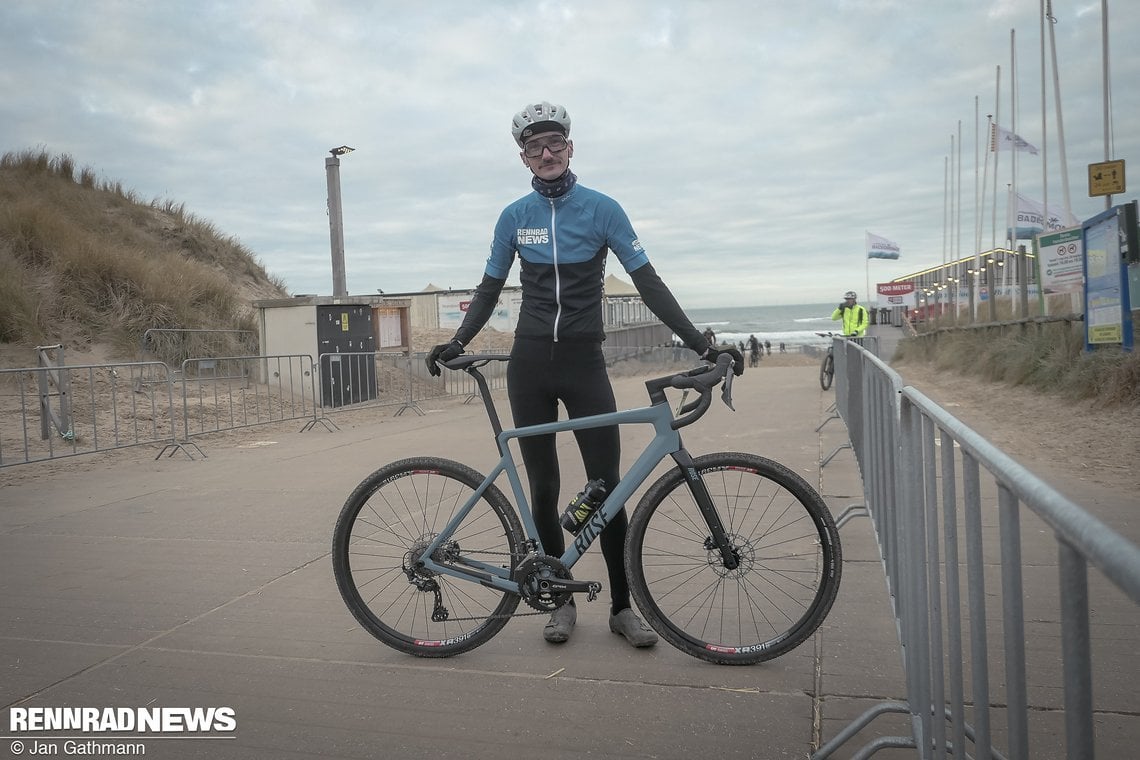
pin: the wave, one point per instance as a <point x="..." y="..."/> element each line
<point x="794" y="325"/>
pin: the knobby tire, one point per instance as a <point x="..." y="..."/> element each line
<point x="399" y="508"/>
<point x="827" y="371"/>
<point x="789" y="571"/>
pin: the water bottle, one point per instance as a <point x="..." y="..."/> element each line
<point x="583" y="505"/>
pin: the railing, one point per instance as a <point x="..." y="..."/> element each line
<point x="353" y="380"/>
<point x="930" y="484"/>
<point x="934" y="329"/>
<point x="232" y="392"/>
<point x="215" y="394"/>
<point x="105" y="411"/>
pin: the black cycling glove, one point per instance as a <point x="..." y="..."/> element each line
<point x="842" y="306"/>
<point x="444" y="352"/>
<point x="712" y="353"/>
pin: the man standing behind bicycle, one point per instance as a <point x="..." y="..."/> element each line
<point x="562" y="233"/>
<point x="854" y="316"/>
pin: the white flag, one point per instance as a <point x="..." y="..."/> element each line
<point x="1003" y="139"/>
<point x="1032" y="219"/>
<point x="881" y="248"/>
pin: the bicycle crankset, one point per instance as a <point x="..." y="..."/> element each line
<point x="545" y="583"/>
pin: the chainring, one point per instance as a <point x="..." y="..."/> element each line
<point x="533" y="575"/>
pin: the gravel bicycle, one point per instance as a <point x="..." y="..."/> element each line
<point x="827" y="366"/>
<point x="732" y="558"/>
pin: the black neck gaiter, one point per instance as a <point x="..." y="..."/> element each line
<point x="554" y="188"/>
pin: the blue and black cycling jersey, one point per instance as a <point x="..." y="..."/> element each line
<point x="562" y="244"/>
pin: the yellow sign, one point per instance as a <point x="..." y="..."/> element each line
<point x="344" y="321"/>
<point x="1106" y="178"/>
<point x="1106" y="334"/>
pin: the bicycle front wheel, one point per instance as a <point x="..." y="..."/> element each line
<point x="785" y="542"/>
<point x="385" y="526"/>
<point x="827" y="371"/>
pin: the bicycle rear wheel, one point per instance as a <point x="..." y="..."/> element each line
<point x="827" y="371"/>
<point x="385" y="525"/>
<point x="790" y="561"/>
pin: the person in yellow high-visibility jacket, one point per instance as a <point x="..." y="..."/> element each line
<point x="854" y="316"/>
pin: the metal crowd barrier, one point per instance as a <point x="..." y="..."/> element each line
<point x="104" y="410"/>
<point x="225" y="393"/>
<point x="109" y="403"/>
<point x="931" y="484"/>
<point x="351" y="380"/>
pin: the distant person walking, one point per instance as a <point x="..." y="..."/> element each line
<point x="709" y="336"/>
<point x="768" y="346"/>
<point x="753" y="351"/>
<point x="853" y="314"/>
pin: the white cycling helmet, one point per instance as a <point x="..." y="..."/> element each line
<point x="537" y="118"/>
<point x="849" y="294"/>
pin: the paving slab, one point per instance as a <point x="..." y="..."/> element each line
<point x="130" y="581"/>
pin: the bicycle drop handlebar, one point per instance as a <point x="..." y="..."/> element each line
<point x="702" y="379"/>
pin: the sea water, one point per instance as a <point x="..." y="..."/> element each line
<point x="795" y="325"/>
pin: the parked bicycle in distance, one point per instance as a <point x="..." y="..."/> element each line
<point x="827" y="366"/>
<point x="732" y="558"/>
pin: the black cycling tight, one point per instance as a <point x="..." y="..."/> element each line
<point x="540" y="374"/>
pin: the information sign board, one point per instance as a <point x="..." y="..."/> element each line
<point x="1106" y="178"/>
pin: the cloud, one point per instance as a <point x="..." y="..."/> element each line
<point x="752" y="144"/>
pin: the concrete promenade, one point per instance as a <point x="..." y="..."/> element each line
<point x="126" y="581"/>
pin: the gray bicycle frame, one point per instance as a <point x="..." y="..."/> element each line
<point x="666" y="442"/>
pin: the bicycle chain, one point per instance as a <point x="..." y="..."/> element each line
<point x="513" y="556"/>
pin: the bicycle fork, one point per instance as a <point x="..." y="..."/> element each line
<point x="718" y="539"/>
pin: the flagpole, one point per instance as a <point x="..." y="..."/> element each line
<point x="954" y="292"/>
<point x="977" y="215"/>
<point x="1023" y="269"/>
<point x="1064" y="161"/>
<point x="1013" y="122"/>
<point x="958" y="222"/>
<point x="867" y="264"/>
<point x="945" y="194"/>
<point x="985" y="180"/>
<point x="1013" y="113"/>
<point x="1104" y="59"/>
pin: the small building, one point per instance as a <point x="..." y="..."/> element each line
<point x="342" y="334"/>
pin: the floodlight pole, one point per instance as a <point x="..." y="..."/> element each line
<point x="336" y="219"/>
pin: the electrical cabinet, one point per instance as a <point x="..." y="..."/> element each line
<point x="337" y="334"/>
<point x="346" y="345"/>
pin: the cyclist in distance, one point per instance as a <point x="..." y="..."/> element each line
<point x="562" y="233"/>
<point x="854" y="316"/>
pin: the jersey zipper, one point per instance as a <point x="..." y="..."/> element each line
<point x="557" y="278"/>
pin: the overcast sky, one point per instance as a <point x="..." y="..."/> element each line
<point x="752" y="143"/>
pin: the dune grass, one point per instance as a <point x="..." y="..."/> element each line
<point x="1048" y="357"/>
<point x="83" y="260"/>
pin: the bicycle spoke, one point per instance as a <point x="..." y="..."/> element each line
<point x="383" y="535"/>
<point x="782" y="540"/>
